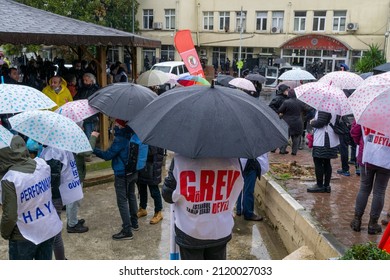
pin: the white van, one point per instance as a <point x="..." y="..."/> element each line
<point x="174" y="67"/>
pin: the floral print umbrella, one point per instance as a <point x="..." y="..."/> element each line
<point x="20" y="98"/>
<point x="342" y="79"/>
<point x="52" y="129"/>
<point x="324" y="97"/>
<point x="77" y="110"/>
<point x="5" y="137"/>
<point x="370" y="103"/>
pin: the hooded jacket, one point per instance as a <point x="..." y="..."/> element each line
<point x="118" y="151"/>
<point x="60" y="98"/>
<point x="14" y="158"/>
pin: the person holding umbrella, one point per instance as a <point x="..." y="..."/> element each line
<point x="275" y="104"/>
<point x="124" y="185"/>
<point x="325" y="147"/>
<point x="203" y="218"/>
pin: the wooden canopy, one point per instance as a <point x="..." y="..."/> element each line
<point x="21" y="24"/>
<point x="24" y="25"/>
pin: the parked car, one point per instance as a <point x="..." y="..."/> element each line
<point x="174" y="67"/>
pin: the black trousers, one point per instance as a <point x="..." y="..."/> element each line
<point x="211" y="253"/>
<point x="323" y="170"/>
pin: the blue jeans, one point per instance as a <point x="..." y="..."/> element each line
<point x="72" y="209"/>
<point x="26" y="250"/>
<point x="246" y="200"/>
<point x="127" y="201"/>
<point x="154" y="193"/>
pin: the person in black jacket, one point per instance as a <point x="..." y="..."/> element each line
<point x="276" y="102"/>
<point x="325" y="148"/>
<point x="150" y="177"/>
<point x="89" y="88"/>
<point x="291" y="112"/>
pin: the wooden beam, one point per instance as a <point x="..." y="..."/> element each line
<point x="102" y="79"/>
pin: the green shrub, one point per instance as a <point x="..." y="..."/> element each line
<point x="366" y="251"/>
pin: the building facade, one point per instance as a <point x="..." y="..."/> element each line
<point x="304" y="33"/>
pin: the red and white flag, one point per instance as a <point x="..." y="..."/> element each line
<point x="186" y="49"/>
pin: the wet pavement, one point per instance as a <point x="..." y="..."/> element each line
<point x="335" y="210"/>
<point x="250" y="241"/>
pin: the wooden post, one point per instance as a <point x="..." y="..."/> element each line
<point x="102" y="79"/>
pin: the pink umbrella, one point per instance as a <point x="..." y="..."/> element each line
<point x="77" y="110"/>
<point x="342" y="79"/>
<point x="324" y="97"/>
<point x="243" y="84"/>
<point x="370" y="103"/>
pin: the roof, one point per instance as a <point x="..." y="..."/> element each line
<point x="21" y="24"/>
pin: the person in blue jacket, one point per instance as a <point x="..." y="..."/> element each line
<point x="124" y="185"/>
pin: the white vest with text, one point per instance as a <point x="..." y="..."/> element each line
<point x="70" y="187"/>
<point x="206" y="192"/>
<point x="38" y="220"/>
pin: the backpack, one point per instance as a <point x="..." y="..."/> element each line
<point x="138" y="154"/>
<point x="340" y="127"/>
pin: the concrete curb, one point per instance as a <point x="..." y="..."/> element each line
<point x="295" y="226"/>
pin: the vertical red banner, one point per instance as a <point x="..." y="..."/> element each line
<point x="185" y="47"/>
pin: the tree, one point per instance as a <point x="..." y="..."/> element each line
<point x="371" y="58"/>
<point x="111" y="13"/>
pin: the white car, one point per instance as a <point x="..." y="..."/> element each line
<point x="174" y="67"/>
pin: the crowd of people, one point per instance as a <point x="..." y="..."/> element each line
<point x="27" y="163"/>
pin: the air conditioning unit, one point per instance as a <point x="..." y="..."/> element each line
<point x="203" y="52"/>
<point x="275" y="30"/>
<point x="157" y="25"/>
<point x="352" y="26"/>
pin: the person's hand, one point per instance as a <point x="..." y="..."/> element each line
<point x="95" y="133"/>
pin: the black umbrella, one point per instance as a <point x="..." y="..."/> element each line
<point x="121" y="100"/>
<point x="256" y="77"/>
<point x="202" y="121"/>
<point x="382" y="68"/>
<point x="224" y="80"/>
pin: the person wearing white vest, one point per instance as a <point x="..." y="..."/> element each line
<point x="325" y="147"/>
<point x="66" y="187"/>
<point x="204" y="192"/>
<point x="374" y="160"/>
<point x="29" y="220"/>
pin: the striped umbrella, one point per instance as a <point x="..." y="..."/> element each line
<point x="190" y="80"/>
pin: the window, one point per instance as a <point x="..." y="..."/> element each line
<point x="208" y="20"/>
<point x="148" y="19"/>
<point x="170" y="19"/>
<point x="219" y="56"/>
<point x="240" y="27"/>
<point x="246" y="53"/>
<point x="299" y="21"/>
<point x="261" y="21"/>
<point x="319" y="21"/>
<point x="224" y="21"/>
<point x="277" y="20"/>
<point x="167" y="53"/>
<point x="339" y="19"/>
